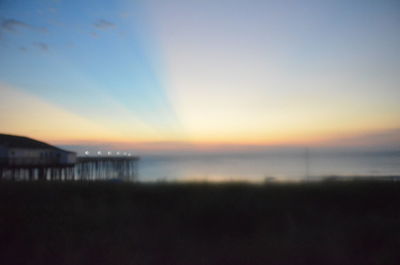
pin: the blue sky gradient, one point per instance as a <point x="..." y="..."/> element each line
<point x="204" y="72"/>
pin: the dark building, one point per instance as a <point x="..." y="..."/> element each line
<point x="23" y="158"/>
<point x="24" y="151"/>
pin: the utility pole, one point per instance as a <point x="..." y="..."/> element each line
<point x="307" y="163"/>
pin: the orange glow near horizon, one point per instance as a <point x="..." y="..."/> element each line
<point x="48" y="122"/>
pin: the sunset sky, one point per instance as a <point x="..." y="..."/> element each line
<point x="173" y="74"/>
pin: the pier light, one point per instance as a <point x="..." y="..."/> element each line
<point x="109" y="153"/>
<point x="117" y="153"/>
<point x="99" y="153"/>
<point x="87" y="153"/>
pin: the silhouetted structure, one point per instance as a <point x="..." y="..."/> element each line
<point x="23" y="158"/>
<point x="106" y="167"/>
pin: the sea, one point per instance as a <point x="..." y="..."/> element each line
<point x="272" y="166"/>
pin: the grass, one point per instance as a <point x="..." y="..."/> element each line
<point x="120" y="223"/>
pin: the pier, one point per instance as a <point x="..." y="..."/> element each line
<point x="23" y="158"/>
<point x="85" y="168"/>
<point x="106" y="167"/>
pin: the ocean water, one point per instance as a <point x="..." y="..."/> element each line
<point x="272" y="166"/>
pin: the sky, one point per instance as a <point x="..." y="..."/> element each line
<point x="156" y="75"/>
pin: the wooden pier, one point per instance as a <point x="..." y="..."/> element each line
<point x="24" y="158"/>
<point x="106" y="167"/>
<point x="85" y="168"/>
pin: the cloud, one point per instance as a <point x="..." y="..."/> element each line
<point x="12" y="25"/>
<point x="53" y="10"/>
<point x="389" y="139"/>
<point x="42" y="46"/>
<point x="104" y="24"/>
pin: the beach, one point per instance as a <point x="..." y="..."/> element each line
<point x="331" y="222"/>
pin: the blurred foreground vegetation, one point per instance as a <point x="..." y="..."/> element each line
<point x="120" y="223"/>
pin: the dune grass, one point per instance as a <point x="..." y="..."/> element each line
<point x="121" y="223"/>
